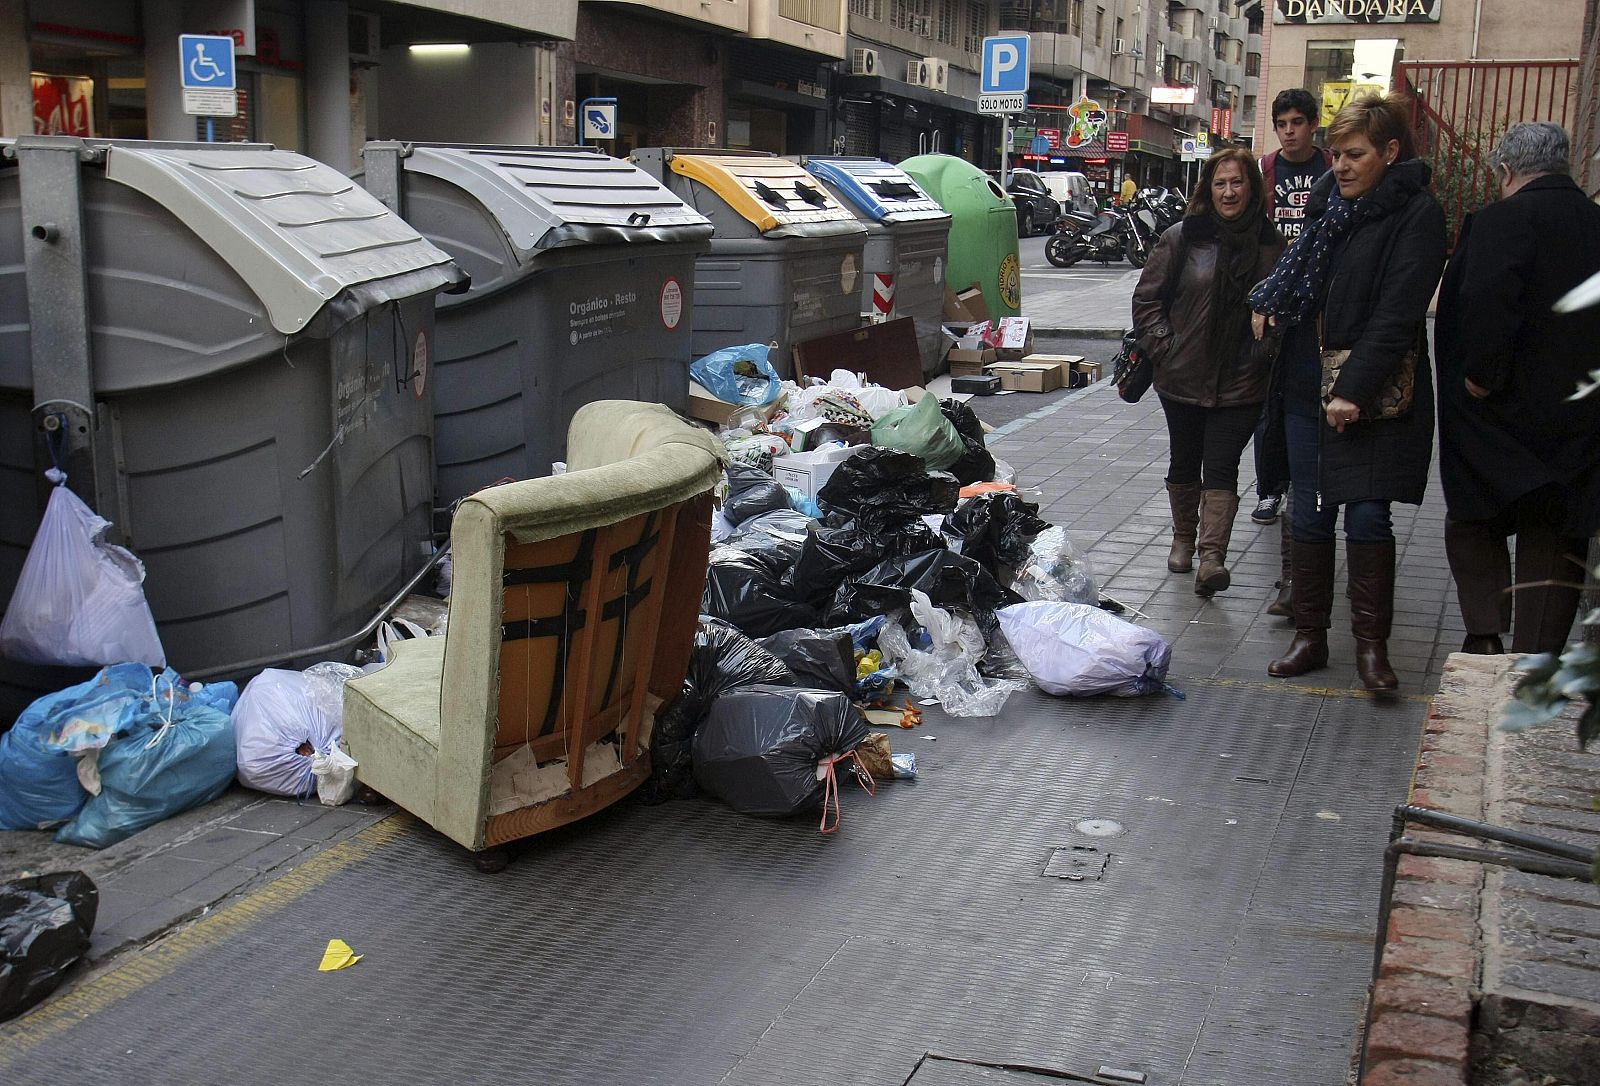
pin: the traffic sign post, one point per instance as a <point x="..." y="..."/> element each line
<point x="599" y="118"/>
<point x="1003" y="87"/>
<point x="207" y="75"/>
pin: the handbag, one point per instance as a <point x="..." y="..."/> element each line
<point x="1132" y="370"/>
<point x="1394" y="398"/>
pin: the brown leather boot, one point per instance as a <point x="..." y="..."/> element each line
<point x="1313" y="603"/>
<point x="1217" y="510"/>
<point x="1283" y="606"/>
<point x="1185" y="501"/>
<point x="1371" y="578"/>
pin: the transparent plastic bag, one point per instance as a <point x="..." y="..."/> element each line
<point x="947" y="672"/>
<point x="1056" y="571"/>
<point x="79" y="601"/>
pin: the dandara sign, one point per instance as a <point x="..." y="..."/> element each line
<point x="1358" y="11"/>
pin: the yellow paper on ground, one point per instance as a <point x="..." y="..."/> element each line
<point x="338" y="956"/>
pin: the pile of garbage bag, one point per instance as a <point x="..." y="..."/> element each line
<point x="910" y="562"/>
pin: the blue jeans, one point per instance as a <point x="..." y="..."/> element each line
<point x="1364" y="521"/>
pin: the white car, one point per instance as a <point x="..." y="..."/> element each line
<point x="1071" y="190"/>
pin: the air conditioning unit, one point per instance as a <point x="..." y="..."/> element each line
<point x="364" y="43"/>
<point x="938" y="73"/>
<point x="917" y="73"/>
<point x="863" y="62"/>
<point x="1119" y="46"/>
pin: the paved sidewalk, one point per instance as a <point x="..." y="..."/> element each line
<point x="1084" y="300"/>
<point x="1099" y="466"/>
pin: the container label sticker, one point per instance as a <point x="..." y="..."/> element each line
<point x="419" y="365"/>
<point x="1011" y="281"/>
<point x="938" y="269"/>
<point x="671" y="304"/>
<point x="848" y="274"/>
<point x="605" y="314"/>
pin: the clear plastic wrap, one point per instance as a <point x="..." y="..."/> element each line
<point x="947" y="672"/>
<point x="1057" y="571"/>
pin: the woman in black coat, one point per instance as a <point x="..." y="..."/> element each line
<point x="1358" y="280"/>
<point x="1516" y="453"/>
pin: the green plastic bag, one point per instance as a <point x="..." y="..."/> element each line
<point x="921" y="429"/>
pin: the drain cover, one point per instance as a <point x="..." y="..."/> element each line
<point x="1077" y="863"/>
<point x="1100" y="827"/>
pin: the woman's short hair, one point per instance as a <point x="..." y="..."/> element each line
<point x="1379" y="118"/>
<point x="1200" y="202"/>
<point x="1533" y="147"/>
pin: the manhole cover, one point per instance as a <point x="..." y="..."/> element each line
<point x="1077" y="863"/>
<point x="1100" y="827"/>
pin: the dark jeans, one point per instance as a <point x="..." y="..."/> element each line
<point x="1207" y="442"/>
<point x="1480" y="562"/>
<point x="1272" y="465"/>
<point x="1364" y="521"/>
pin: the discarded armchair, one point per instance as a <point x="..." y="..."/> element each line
<point x="572" y="616"/>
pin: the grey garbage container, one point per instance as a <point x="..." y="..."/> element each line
<point x="236" y="341"/>
<point x="785" y="263"/>
<point x="907" y="242"/>
<point x="582" y="288"/>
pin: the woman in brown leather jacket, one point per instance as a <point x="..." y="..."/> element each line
<point x="1192" y="320"/>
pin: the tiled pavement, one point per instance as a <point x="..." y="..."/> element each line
<point x="1098" y="465"/>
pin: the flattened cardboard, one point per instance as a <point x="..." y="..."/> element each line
<point x="886" y="354"/>
<point x="706" y="407"/>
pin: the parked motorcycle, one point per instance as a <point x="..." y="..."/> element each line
<point x="1127" y="232"/>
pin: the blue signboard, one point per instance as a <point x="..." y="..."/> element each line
<point x="206" y="62"/>
<point x="1005" y="64"/>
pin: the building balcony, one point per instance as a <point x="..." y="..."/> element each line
<point x="553" y="18"/>
<point x="1252" y="86"/>
<point x="813" y="26"/>
<point x="1192" y="50"/>
<point x="730" y="15"/>
<point x="1063" y="56"/>
<point x="1255" y="43"/>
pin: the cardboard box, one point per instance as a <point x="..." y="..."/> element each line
<point x="1066" y="363"/>
<point x="706" y="407"/>
<point x="1095" y="370"/>
<point x="1016" y="339"/>
<point x="807" y="472"/>
<point x="972" y="301"/>
<point x="1026" y="376"/>
<point x="965" y="363"/>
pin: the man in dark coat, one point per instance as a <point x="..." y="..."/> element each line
<point x="1517" y="456"/>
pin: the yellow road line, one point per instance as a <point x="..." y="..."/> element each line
<point x="144" y="967"/>
<point x="1312" y="691"/>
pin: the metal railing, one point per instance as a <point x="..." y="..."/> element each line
<point x="1460" y="109"/>
<point x="822" y="14"/>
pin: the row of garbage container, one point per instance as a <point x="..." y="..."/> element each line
<point x="269" y="376"/>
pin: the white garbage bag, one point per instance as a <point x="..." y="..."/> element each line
<point x="80" y="600"/>
<point x="1073" y="648"/>
<point x="285" y="723"/>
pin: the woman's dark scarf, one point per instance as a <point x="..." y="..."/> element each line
<point x="1239" y="241"/>
<point x="1293" y="292"/>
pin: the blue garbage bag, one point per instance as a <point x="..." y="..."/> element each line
<point x="38" y="775"/>
<point x="155" y="771"/>
<point x="741" y="375"/>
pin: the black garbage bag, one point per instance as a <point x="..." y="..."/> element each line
<point x="722" y="659"/>
<point x="758" y="749"/>
<point x="777" y="527"/>
<point x="45" y="922"/>
<point x="977" y="463"/>
<point x="752" y="492"/>
<point x="823" y="659"/>
<point x="883" y="490"/>
<point x="949" y="579"/>
<point x="831" y="556"/>
<point x="996" y="531"/>
<point x="747" y="585"/>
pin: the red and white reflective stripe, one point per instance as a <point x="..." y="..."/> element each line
<point x="883" y="293"/>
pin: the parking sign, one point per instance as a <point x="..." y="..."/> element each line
<point x="1003" y="85"/>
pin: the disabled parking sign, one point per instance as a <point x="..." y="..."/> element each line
<point x="207" y="75"/>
